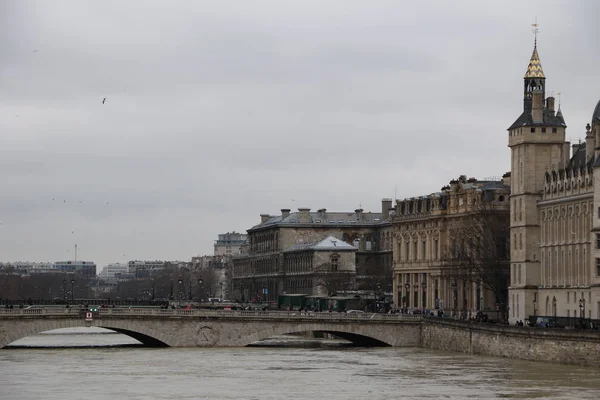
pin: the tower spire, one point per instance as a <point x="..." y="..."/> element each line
<point x="535" y="32"/>
<point x="534" y="69"/>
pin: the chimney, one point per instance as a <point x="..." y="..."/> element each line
<point x="264" y="218"/>
<point x="304" y="215"/>
<point x="322" y="213"/>
<point x="550" y="104"/>
<point x="285" y="212"/>
<point x="386" y="205"/>
<point x="506" y="179"/>
<point x="537" y="108"/>
<point x="358" y="212"/>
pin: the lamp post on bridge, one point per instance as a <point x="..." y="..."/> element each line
<point x="64" y="290"/>
<point x="200" y="282"/>
<point x="72" y="290"/>
<point x="180" y="281"/>
<point x="407" y="287"/>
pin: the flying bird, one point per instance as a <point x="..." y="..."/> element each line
<point x="103" y="100"/>
<point x="34" y="51"/>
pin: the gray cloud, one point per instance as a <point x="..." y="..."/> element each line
<point x="218" y="112"/>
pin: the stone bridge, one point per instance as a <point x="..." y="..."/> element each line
<point x="215" y="328"/>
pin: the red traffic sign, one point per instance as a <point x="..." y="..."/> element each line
<point x="89" y="316"/>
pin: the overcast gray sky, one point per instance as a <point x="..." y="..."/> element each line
<point x="217" y="111"/>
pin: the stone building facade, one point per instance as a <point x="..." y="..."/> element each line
<point x="286" y="253"/>
<point x="555" y="209"/>
<point x="229" y="244"/>
<point x="424" y="234"/>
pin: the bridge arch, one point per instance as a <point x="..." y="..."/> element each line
<point x="358" y="336"/>
<point x="142" y="333"/>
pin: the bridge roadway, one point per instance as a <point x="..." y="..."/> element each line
<point x="215" y="328"/>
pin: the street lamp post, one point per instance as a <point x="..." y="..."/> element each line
<point x="455" y="299"/>
<point x="72" y="290"/>
<point x="200" y="282"/>
<point x="407" y="286"/>
<point x="65" y="290"/>
<point x="424" y="287"/>
<point x="153" y="297"/>
<point x="554" y="308"/>
<point x="180" y="281"/>
<point x="534" y="308"/>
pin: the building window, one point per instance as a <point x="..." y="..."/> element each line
<point x="554" y="130"/>
<point x="532" y="130"/>
<point x="598" y="241"/>
<point x="597" y="266"/>
<point x="543" y="130"/>
<point x="334" y="263"/>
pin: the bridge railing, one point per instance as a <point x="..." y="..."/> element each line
<point x="76" y="312"/>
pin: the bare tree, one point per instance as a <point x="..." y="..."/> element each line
<point x="479" y="250"/>
<point x="332" y="280"/>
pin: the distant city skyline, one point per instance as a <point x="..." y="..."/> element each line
<point x="142" y="130"/>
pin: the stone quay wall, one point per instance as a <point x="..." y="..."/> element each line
<point x="536" y="344"/>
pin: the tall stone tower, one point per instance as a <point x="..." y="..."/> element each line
<point x="537" y="143"/>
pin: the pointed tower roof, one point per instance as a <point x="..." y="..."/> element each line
<point x="534" y="69"/>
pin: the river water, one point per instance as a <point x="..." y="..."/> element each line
<point x="263" y="373"/>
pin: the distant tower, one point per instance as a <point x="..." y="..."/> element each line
<point x="537" y="143"/>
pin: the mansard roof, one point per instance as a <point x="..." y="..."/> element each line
<point x="324" y="219"/>
<point x="330" y="243"/>
<point x="549" y="119"/>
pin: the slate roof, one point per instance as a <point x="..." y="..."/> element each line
<point x="596" y="114"/>
<point x="549" y="119"/>
<point x="325" y="219"/>
<point x="579" y="157"/>
<point x="330" y="243"/>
